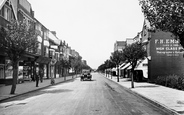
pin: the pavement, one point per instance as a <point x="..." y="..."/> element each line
<point x="164" y="97"/>
<point x="29" y="86"/>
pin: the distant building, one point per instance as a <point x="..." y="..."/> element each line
<point x="119" y="45"/>
<point x="84" y="62"/>
<point x="138" y="37"/>
<point x="129" y="41"/>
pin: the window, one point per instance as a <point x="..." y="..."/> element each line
<point x="39" y="49"/>
<point x="46" y="51"/>
<point x="7" y="13"/>
<point x="1" y="12"/>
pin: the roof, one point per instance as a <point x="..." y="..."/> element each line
<point x="2" y="2"/>
<point x="120" y="43"/>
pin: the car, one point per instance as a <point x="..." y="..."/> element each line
<point x="86" y="75"/>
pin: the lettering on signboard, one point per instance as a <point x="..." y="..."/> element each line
<point x="167" y="47"/>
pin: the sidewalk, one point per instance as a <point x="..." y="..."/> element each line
<point x="168" y="98"/>
<point x="28" y="87"/>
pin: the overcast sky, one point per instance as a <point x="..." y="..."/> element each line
<point x="91" y="27"/>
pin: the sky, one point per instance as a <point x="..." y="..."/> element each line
<point x="91" y="27"/>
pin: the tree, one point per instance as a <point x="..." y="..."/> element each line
<point x="165" y="15"/>
<point x="101" y="68"/>
<point x="117" y="58"/>
<point x="76" y="64"/>
<point x="132" y="53"/>
<point x="16" y="39"/>
<point x="109" y="65"/>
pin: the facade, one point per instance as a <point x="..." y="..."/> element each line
<point x="11" y="10"/>
<point x="129" y="41"/>
<point x="7" y="13"/>
<point x="119" y="45"/>
<point x="164" y="56"/>
<point x="49" y="53"/>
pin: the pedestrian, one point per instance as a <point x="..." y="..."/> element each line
<point x="37" y="76"/>
<point x="41" y="75"/>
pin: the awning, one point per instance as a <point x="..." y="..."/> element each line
<point x="125" y="66"/>
<point x="143" y="64"/>
<point x="129" y="67"/>
<point x="54" y="46"/>
<point x="52" y="50"/>
<point x="54" y="38"/>
<point x="43" y="60"/>
<point x="114" y="69"/>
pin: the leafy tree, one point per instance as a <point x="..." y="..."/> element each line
<point x="76" y="63"/>
<point x="117" y="58"/>
<point x="165" y="15"/>
<point x="132" y="53"/>
<point x="101" y="68"/>
<point x="16" y="39"/>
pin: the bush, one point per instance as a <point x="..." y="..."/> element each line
<point x="181" y="83"/>
<point x="173" y="81"/>
<point x="161" y="80"/>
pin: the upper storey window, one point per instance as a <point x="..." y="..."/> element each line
<point x="6" y="12"/>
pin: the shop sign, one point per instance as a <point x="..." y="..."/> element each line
<point x="168" y="47"/>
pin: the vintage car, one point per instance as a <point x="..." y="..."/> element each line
<point x="86" y="75"/>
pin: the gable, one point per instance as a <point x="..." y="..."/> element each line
<point x="8" y="4"/>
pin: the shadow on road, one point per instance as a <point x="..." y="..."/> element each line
<point x="55" y="91"/>
<point x="35" y="94"/>
<point x="88" y="80"/>
<point x="146" y="86"/>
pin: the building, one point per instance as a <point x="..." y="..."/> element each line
<point x="129" y="41"/>
<point x="17" y="10"/>
<point x="119" y="45"/>
<point x="84" y="62"/>
<point x="47" y="56"/>
<point x="164" y="56"/>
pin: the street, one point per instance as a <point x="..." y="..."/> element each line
<point x="97" y="97"/>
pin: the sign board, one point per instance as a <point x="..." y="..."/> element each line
<point x="167" y="47"/>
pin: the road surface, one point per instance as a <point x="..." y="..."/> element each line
<point x="97" y="97"/>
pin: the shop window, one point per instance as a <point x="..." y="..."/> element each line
<point x="8" y="69"/>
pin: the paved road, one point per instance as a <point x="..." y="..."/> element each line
<point x="97" y="97"/>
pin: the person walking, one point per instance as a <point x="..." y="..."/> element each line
<point x="41" y="75"/>
<point x="37" y="76"/>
